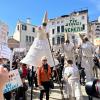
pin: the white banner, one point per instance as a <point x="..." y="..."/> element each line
<point x="14" y="81"/>
<point x="5" y="52"/>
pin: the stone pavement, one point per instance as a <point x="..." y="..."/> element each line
<point x="55" y="94"/>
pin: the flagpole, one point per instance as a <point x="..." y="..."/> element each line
<point x="55" y="68"/>
<point x="32" y="84"/>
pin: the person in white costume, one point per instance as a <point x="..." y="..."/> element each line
<point x="40" y="47"/>
<point x="69" y="51"/>
<point x="71" y="77"/>
<point x="88" y="51"/>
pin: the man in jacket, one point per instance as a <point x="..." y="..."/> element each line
<point x="44" y="75"/>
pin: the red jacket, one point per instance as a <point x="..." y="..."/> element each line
<point x="24" y="72"/>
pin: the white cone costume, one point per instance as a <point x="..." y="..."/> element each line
<point x="39" y="48"/>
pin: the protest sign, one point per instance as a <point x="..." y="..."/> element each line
<point x="14" y="81"/>
<point x="5" y="52"/>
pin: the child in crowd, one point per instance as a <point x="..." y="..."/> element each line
<point x="71" y="76"/>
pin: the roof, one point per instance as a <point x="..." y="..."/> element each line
<point x="75" y="12"/>
<point x="12" y="40"/>
<point x="12" y="43"/>
<point x="19" y="21"/>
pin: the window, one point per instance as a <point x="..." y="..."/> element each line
<point x="83" y="17"/>
<point x="32" y="39"/>
<point x="98" y="26"/>
<point x="53" y="31"/>
<point x="58" y="29"/>
<point x="58" y="40"/>
<point x="62" y="28"/>
<point x="17" y="27"/>
<point x="26" y="38"/>
<point x="62" y="39"/>
<point x="53" y="41"/>
<point x="24" y="27"/>
<point x="83" y="26"/>
<point x="58" y="22"/>
<point x="53" y="23"/>
<point x="62" y="21"/>
<point x="33" y="30"/>
<point x="29" y="38"/>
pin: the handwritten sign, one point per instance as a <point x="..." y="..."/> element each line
<point x="5" y="52"/>
<point x="14" y="81"/>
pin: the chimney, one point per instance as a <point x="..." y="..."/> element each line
<point x="28" y="21"/>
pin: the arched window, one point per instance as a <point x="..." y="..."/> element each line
<point x="53" y="41"/>
<point x="58" y="40"/>
<point x="62" y="39"/>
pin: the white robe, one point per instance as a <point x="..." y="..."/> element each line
<point x="69" y="51"/>
<point x="72" y="83"/>
<point x="87" y="59"/>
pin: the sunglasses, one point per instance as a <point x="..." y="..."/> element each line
<point x="44" y="60"/>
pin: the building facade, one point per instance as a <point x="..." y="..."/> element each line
<point x="25" y="33"/>
<point x="4" y="31"/>
<point x="95" y="31"/>
<point x="68" y="27"/>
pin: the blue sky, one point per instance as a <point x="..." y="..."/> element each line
<point x="12" y="10"/>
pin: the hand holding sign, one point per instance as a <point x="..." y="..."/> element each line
<point x="14" y="81"/>
<point x="4" y="76"/>
<point x="4" y="79"/>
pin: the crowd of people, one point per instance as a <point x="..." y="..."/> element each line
<point x="77" y="65"/>
<point x="42" y="66"/>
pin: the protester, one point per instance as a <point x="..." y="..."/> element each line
<point x="69" y="50"/>
<point x="4" y="76"/>
<point x="87" y="53"/>
<point x="20" y="93"/>
<point x="24" y="71"/>
<point x="44" y="75"/>
<point x="29" y="77"/>
<point x="7" y="95"/>
<point x="14" y="65"/>
<point x="71" y="77"/>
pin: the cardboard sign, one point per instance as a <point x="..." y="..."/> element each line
<point x="5" y="52"/>
<point x="14" y="81"/>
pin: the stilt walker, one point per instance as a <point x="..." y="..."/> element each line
<point x="87" y="58"/>
<point x="41" y="47"/>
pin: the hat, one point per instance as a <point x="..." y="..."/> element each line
<point x="43" y="58"/>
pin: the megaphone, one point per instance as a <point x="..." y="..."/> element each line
<point x="93" y="88"/>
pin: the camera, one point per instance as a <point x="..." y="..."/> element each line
<point x="93" y="88"/>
